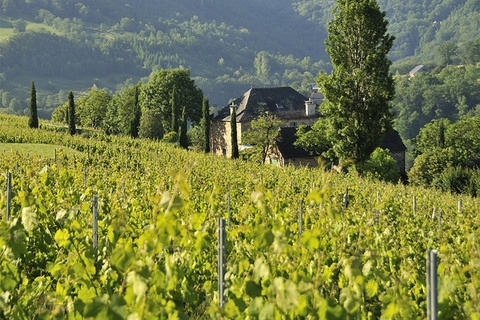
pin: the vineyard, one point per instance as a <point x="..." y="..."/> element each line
<point x="158" y="213"/>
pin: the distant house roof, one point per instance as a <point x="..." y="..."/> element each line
<point x="317" y="96"/>
<point x="287" y="138"/>
<point x="284" y="102"/>
<point x="419" y="68"/>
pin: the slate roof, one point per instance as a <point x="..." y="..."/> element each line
<point x="391" y="141"/>
<point x="285" y="141"/>
<point x="284" y="102"/>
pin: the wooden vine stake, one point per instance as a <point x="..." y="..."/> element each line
<point x="432" y="298"/>
<point x="459" y="206"/>
<point x="9" y="196"/>
<point x="95" y="221"/>
<point x="221" y="262"/>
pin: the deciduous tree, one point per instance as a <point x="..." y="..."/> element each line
<point x="157" y="94"/>
<point x="263" y="134"/>
<point x="447" y="51"/>
<point x="359" y="89"/>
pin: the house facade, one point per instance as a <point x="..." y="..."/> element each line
<point x="288" y="105"/>
<point x="286" y="153"/>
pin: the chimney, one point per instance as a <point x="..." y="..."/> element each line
<point x="232" y="106"/>
<point x="215" y="111"/>
<point x="310" y="108"/>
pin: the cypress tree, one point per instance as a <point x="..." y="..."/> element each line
<point x="71" y="114"/>
<point x="33" y="120"/>
<point x="135" y="121"/>
<point x="174" y="110"/>
<point x="233" y="130"/>
<point x="183" y="130"/>
<point x="206" y="125"/>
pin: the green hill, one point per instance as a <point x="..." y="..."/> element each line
<point x="228" y="46"/>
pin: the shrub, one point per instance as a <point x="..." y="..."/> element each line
<point x="428" y="166"/>
<point x="381" y="165"/>
<point x="171" y="137"/>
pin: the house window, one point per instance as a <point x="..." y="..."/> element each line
<point x="224" y="151"/>
<point x="293" y="124"/>
<point x="274" y="161"/>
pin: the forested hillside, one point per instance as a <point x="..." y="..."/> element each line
<point x="227" y="45"/>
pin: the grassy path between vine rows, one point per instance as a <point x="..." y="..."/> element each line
<point x="44" y="150"/>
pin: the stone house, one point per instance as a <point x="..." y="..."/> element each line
<point x="285" y="103"/>
<point x="292" y="109"/>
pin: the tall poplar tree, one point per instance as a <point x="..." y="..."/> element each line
<point x="233" y="130"/>
<point x="33" y="120"/>
<point x="206" y="125"/>
<point x="360" y="88"/>
<point x="71" y="114"/>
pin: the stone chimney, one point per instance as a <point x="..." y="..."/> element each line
<point x="310" y="108"/>
<point x="232" y="106"/>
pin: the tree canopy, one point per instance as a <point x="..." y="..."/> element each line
<point x="359" y="89"/>
<point x="157" y="95"/>
<point x="263" y="134"/>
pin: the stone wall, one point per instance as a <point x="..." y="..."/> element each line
<point x="220" y="133"/>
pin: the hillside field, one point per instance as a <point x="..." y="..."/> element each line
<point x="159" y="208"/>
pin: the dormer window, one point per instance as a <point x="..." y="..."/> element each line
<point x="279" y="106"/>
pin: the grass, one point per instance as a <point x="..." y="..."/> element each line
<point x="5" y="33"/>
<point x="43" y="150"/>
<point x="6" y="29"/>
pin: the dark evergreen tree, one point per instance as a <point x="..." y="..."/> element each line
<point x="33" y="120"/>
<point x="135" y="121"/>
<point x="233" y="130"/>
<point x="71" y="114"/>
<point x="183" y="130"/>
<point x="174" y="104"/>
<point x="206" y="125"/>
